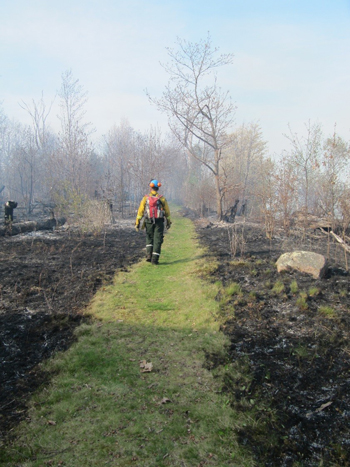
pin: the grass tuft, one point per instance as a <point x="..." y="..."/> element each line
<point x="314" y="291"/>
<point x="302" y="301"/>
<point x="327" y="311"/>
<point x="294" y="288"/>
<point x="278" y="288"/>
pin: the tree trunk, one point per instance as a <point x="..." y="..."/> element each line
<point x="218" y="197"/>
<point x="32" y="226"/>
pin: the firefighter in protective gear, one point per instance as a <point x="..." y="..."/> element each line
<point x="156" y="210"/>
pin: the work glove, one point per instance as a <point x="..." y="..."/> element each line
<point x="137" y="225"/>
<point x="168" y="223"/>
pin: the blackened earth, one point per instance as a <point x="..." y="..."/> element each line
<point x="296" y="353"/>
<point x="46" y="281"/>
<point x="293" y="343"/>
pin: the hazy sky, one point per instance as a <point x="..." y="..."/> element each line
<point x="291" y="64"/>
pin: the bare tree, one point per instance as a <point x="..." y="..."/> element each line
<point x="72" y="161"/>
<point x="331" y="186"/>
<point x="4" y="144"/>
<point x="118" y="154"/>
<point x="39" y="113"/>
<point x="199" y="113"/>
<point x="285" y="180"/>
<point x="40" y="147"/>
<point x="19" y="163"/>
<point x="242" y="161"/>
<point x="267" y="195"/>
<point x="305" y="155"/>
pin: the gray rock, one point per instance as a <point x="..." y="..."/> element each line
<point x="303" y="261"/>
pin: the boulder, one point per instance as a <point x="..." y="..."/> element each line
<point x="303" y="261"/>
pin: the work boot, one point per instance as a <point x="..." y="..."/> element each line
<point x="155" y="259"/>
<point x="149" y="251"/>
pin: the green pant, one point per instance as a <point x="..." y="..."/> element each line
<point x="154" y="236"/>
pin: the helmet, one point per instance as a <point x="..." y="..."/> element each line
<point x="155" y="184"/>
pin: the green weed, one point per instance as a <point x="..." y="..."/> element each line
<point x="230" y="296"/>
<point x="233" y="289"/>
<point x="314" y="291"/>
<point x="278" y="288"/>
<point x="238" y="263"/>
<point x="301" y="351"/>
<point x="327" y="311"/>
<point x="302" y="301"/>
<point x="294" y="287"/>
<point x="252" y="296"/>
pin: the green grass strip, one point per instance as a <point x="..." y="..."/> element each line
<point x="103" y="409"/>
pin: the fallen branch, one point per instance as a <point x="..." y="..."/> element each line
<point x="338" y="239"/>
<point x="32" y="226"/>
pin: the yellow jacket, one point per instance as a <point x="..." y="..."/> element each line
<point x="142" y="206"/>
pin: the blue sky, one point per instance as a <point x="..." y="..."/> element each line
<point x="291" y="58"/>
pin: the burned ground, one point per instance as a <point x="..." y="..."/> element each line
<point x="46" y="280"/>
<point x="290" y="333"/>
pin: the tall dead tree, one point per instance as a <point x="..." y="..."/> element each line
<point x="35" y="154"/>
<point x="199" y="113"/>
<point x="305" y="155"/>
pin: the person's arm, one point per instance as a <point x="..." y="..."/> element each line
<point x="166" y="212"/>
<point x="140" y="212"/>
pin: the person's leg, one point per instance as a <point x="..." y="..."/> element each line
<point x="149" y="240"/>
<point x="158" y="240"/>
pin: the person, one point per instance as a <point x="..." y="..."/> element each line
<point x="9" y="207"/>
<point x="155" y="208"/>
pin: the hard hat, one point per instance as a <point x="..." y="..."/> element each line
<point x="155" y="184"/>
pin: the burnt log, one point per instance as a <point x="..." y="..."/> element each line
<point x="230" y="214"/>
<point x="31" y="226"/>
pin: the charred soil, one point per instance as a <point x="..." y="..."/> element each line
<point x="289" y="333"/>
<point x="46" y="281"/>
<point x="289" y="337"/>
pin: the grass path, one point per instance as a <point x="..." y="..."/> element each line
<point x="134" y="389"/>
